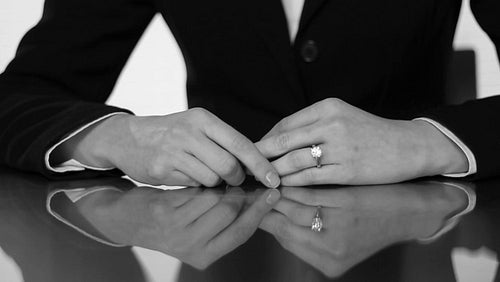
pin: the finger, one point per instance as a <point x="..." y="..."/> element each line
<point x="327" y="174"/>
<point x="285" y="142"/>
<point x="244" y="150"/>
<point x="220" y="216"/>
<point x="298" y="214"/>
<point x="225" y="165"/>
<point x="302" y="118"/>
<point x="286" y="232"/>
<point x="198" y="205"/>
<point x="245" y="225"/>
<point x="332" y="198"/>
<point x="198" y="171"/>
<point x="295" y="161"/>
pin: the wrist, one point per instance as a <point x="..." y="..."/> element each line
<point x="445" y="206"/>
<point x="96" y="209"/>
<point x="440" y="155"/>
<point x="96" y="144"/>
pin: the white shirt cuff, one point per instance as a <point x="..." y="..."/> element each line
<point x="452" y="221"/>
<point x="74" y="165"/>
<point x="468" y="153"/>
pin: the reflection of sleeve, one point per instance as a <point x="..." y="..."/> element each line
<point x="63" y="72"/>
<point x="476" y="122"/>
<point x="74" y="165"/>
<point x="467" y="152"/>
<point x="454" y="219"/>
<point x="74" y="195"/>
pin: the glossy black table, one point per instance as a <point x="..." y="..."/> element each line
<point x="38" y="247"/>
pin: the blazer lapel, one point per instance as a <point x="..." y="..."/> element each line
<point x="308" y="12"/>
<point x="269" y="20"/>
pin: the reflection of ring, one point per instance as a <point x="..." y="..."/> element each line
<point x="316" y="154"/>
<point x="317" y="222"/>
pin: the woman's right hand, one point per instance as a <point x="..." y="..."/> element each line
<point x="189" y="148"/>
<point x="196" y="226"/>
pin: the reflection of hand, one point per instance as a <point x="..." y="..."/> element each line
<point x="357" y="222"/>
<point x="188" y="148"/>
<point x="196" y="226"/>
<point x="358" y="147"/>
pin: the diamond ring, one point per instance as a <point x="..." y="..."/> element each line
<point x="317" y="222"/>
<point x="316" y="154"/>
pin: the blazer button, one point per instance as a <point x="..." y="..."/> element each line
<point x="309" y="51"/>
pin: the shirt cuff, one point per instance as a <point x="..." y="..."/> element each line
<point x="74" y="165"/>
<point x="468" y="153"/>
<point x="74" y="195"/>
<point x="452" y="221"/>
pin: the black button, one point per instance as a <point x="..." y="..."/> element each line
<point x="309" y="51"/>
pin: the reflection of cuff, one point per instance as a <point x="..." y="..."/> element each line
<point x="75" y="195"/>
<point x="452" y="221"/>
<point x="74" y="165"/>
<point x="468" y="153"/>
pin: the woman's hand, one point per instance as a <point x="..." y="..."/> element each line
<point x="194" y="225"/>
<point x="357" y="147"/>
<point x="358" y="221"/>
<point x="189" y="148"/>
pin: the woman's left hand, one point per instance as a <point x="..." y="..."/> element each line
<point x="357" y="147"/>
<point x="358" y="221"/>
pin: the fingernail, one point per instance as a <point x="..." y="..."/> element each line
<point x="273" y="197"/>
<point x="273" y="180"/>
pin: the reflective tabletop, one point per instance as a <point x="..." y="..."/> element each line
<point x="374" y="233"/>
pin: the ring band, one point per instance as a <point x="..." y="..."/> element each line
<point x="316" y="154"/>
<point x="317" y="222"/>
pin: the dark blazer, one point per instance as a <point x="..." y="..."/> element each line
<point x="386" y="57"/>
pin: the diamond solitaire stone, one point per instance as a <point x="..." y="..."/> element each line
<point x="316" y="154"/>
<point x="317" y="224"/>
<point x="316" y="151"/>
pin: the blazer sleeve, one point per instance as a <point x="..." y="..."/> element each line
<point x="64" y="70"/>
<point x="477" y="122"/>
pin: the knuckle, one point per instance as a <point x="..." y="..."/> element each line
<point x="198" y="112"/>
<point x="229" y="166"/>
<point x="229" y="210"/>
<point x="201" y="263"/>
<point x="156" y="169"/>
<point x="210" y="197"/>
<point x="332" y="270"/>
<point x="282" y="142"/>
<point x="332" y="102"/>
<point x="212" y="180"/>
<point x="241" y="234"/>
<point x="338" y="126"/>
<point x="241" y="144"/>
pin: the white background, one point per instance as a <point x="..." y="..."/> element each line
<point x="156" y="74"/>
